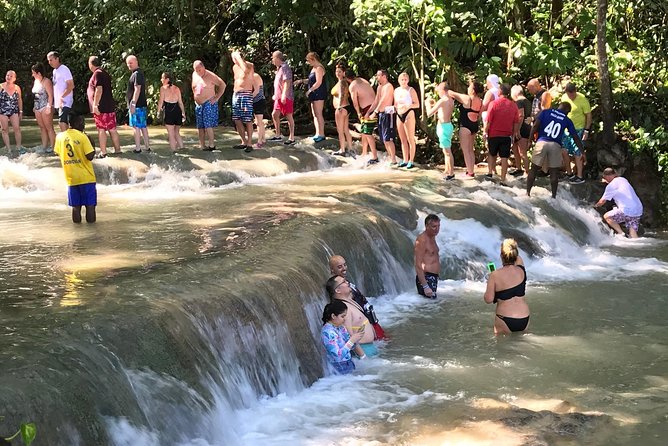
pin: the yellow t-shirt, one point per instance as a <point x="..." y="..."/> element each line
<point x="579" y="108"/>
<point x="72" y="146"/>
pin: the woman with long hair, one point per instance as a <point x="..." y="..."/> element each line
<point x="171" y="105"/>
<point x="335" y="338"/>
<point x="506" y="288"/>
<point x="343" y="107"/>
<point x="42" y="89"/>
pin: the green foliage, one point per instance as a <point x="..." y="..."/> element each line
<point x="27" y="431"/>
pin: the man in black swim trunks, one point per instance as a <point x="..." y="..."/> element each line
<point x="427" y="260"/>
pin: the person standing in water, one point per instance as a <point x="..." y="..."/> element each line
<point x="628" y="209"/>
<point x="242" y="101"/>
<point x="171" y="106"/>
<point x="343" y="109"/>
<point x="506" y="288"/>
<point x="362" y="97"/>
<point x="317" y="93"/>
<point x="338" y="288"/>
<point x="338" y="266"/>
<point x="76" y="153"/>
<point x="102" y="105"/>
<point x="11" y="110"/>
<point x="43" y="108"/>
<point x="207" y="89"/>
<point x="427" y="260"/>
<point x="469" y="113"/>
<point x="383" y="108"/>
<point x="444" y="128"/>
<point x="259" y="107"/>
<point x="336" y="339"/>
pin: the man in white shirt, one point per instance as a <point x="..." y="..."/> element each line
<point x="628" y="208"/>
<point x="63" y="86"/>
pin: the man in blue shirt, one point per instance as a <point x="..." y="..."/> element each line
<point x="550" y="125"/>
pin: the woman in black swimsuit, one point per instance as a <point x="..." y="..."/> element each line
<point x="469" y="111"/>
<point x="506" y="288"/>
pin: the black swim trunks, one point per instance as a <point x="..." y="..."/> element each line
<point x="432" y="281"/>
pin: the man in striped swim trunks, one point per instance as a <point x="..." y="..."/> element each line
<point x="242" y="100"/>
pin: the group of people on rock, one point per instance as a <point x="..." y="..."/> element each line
<point x="351" y="327"/>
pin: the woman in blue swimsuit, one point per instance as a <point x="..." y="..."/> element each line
<point x="317" y="92"/>
<point x="506" y="288"/>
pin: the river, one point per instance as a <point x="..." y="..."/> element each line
<point x="189" y="314"/>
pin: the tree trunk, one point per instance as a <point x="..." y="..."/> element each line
<point x="607" y="111"/>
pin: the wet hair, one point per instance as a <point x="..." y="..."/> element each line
<point x="505" y="90"/>
<point x="168" y="75"/>
<point x="609" y="171"/>
<point x="314" y="56"/>
<point x="431" y="217"/>
<point x="509" y="251"/>
<point x="53" y="54"/>
<point x="95" y="61"/>
<point x="565" y="107"/>
<point x="350" y="74"/>
<point x="478" y="88"/>
<point x="571" y="88"/>
<point x="38" y="68"/>
<point x="330" y="286"/>
<point x="335" y="307"/>
<point x="76" y="121"/>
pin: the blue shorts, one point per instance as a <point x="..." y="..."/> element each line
<point x="568" y="143"/>
<point x="82" y="195"/>
<point x="206" y="115"/>
<point x="344" y="367"/>
<point x="138" y="118"/>
<point x="369" y="349"/>
<point x="386" y="126"/>
<point x="444" y="130"/>
<point x="242" y="106"/>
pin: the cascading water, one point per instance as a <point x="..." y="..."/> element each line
<point x="190" y="313"/>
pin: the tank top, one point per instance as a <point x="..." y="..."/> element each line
<point x="535" y="106"/>
<point x="260" y="94"/>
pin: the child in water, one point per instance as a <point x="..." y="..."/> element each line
<point x="336" y="339"/>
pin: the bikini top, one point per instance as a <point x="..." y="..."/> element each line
<point x="516" y="291"/>
<point x="404" y="96"/>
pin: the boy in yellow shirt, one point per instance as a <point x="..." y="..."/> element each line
<point x="76" y="153"/>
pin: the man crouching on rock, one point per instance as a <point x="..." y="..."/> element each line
<point x="427" y="262"/>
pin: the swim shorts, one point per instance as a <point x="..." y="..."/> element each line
<point x="386" y="126"/>
<point x="369" y="349"/>
<point x="82" y="195"/>
<point x="259" y="107"/>
<point x="499" y="145"/>
<point x="445" y="131"/>
<point x="621" y="218"/>
<point x="105" y="121"/>
<point x="286" y="108"/>
<point x="206" y="115"/>
<point x="368" y="126"/>
<point x="547" y="150"/>
<point x="64" y="114"/>
<point x="242" y="106"/>
<point x="138" y="118"/>
<point x="569" y="144"/>
<point x="432" y="281"/>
